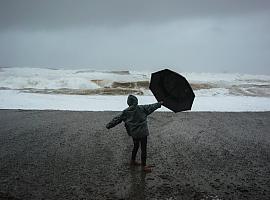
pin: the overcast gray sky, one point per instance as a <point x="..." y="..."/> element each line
<point x="191" y="35"/>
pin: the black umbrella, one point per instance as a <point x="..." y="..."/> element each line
<point x="173" y="89"/>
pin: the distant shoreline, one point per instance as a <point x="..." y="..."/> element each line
<point x="127" y="69"/>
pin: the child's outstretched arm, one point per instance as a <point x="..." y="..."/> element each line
<point x="116" y="120"/>
<point x="151" y="107"/>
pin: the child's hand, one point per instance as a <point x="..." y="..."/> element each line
<point x="161" y="102"/>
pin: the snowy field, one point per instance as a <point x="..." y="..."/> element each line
<point x="42" y="89"/>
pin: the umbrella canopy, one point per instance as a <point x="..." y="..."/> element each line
<point x="173" y="89"/>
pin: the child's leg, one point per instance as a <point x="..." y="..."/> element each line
<point x="144" y="150"/>
<point x="135" y="149"/>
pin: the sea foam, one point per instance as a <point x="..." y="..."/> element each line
<point x="91" y="82"/>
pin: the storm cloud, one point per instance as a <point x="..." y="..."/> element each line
<point x="206" y="36"/>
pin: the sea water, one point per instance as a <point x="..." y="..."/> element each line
<point x="84" y="89"/>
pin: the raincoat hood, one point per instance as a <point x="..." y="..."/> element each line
<point x="132" y="100"/>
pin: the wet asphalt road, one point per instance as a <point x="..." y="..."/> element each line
<point x="71" y="155"/>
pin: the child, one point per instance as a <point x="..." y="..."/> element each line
<point x="135" y="119"/>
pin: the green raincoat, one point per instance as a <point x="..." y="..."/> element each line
<point x="134" y="117"/>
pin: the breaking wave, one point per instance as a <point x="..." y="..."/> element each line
<point x="91" y="82"/>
